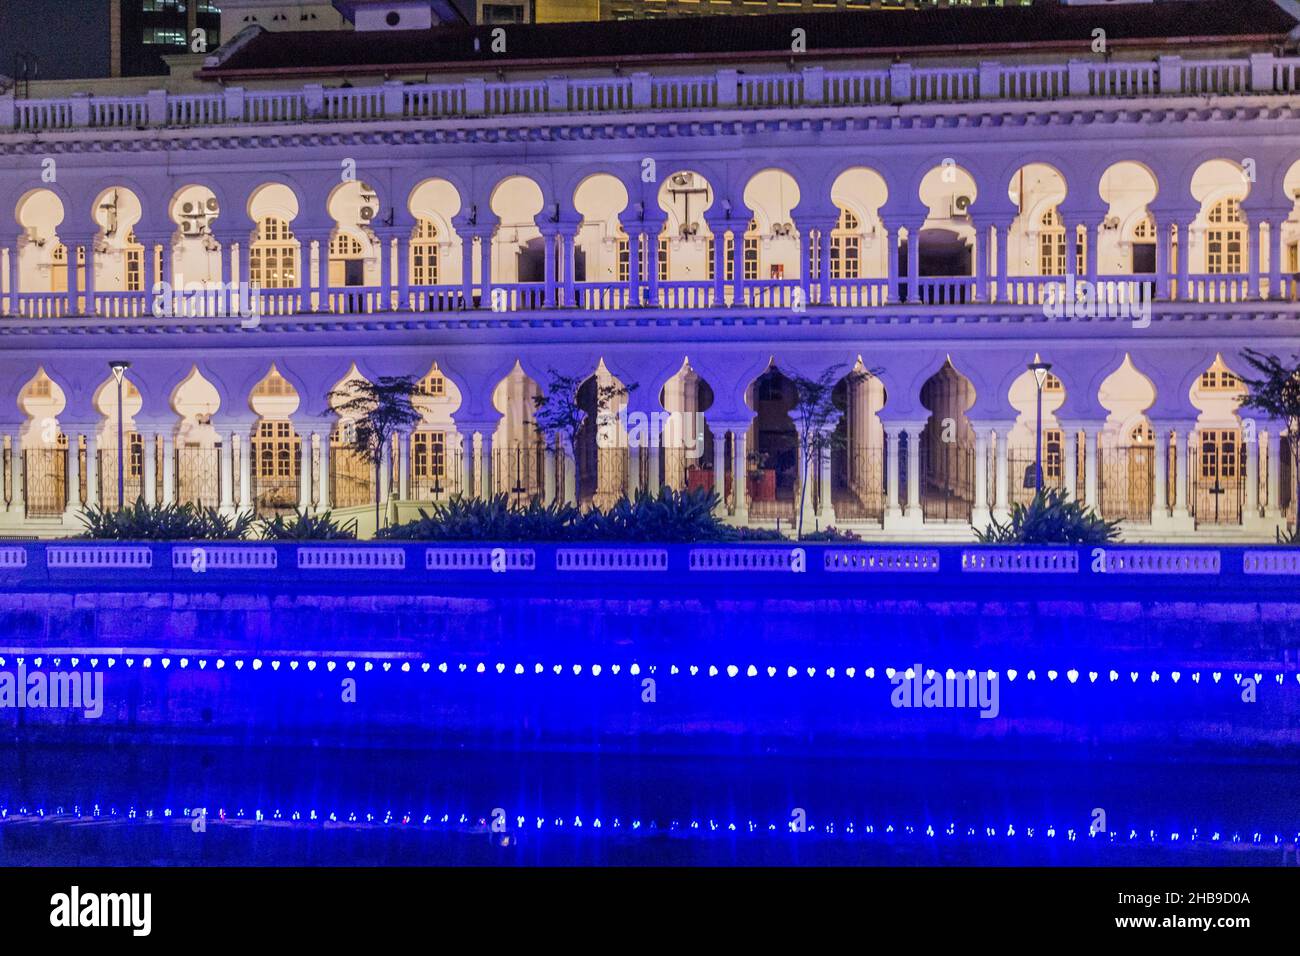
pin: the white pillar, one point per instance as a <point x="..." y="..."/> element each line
<point x="1090" y="466"/>
<point x="564" y="452"/>
<point x="150" y="448"/>
<point x="227" y="467"/>
<point x="468" y="489"/>
<point x="1251" y="515"/>
<point x="1002" y="479"/>
<point x="740" y="475"/>
<point x="1070" y="460"/>
<point x="913" y="512"/>
<point x="1273" y="511"/>
<point x="304" y="470"/>
<point x="633" y="476"/>
<point x="245" y="470"/>
<point x="323" y="502"/>
<point x="485" y="462"/>
<point x="892" y="509"/>
<point x="1181" y="486"/>
<point x="168" y="470"/>
<point x="403" y="466"/>
<point x="652" y="478"/>
<point x="980" y="511"/>
<point x="825" y="504"/>
<point x="92" y="470"/>
<point x="548" y="490"/>
<point x="720" y="468"/>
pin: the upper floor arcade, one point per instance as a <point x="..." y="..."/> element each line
<point x="1088" y="234"/>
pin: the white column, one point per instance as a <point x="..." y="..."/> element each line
<point x="1090" y="466"/>
<point x="913" y="474"/>
<point x="17" y="463"/>
<point x="385" y="472"/>
<point x="825" y="504"/>
<point x="92" y="470"/>
<point x="720" y="468"/>
<point x="892" y="509"/>
<point x="404" y="466"/>
<point x="468" y="488"/>
<point x="1251" y="515"/>
<point x="633" y="476"/>
<point x="652" y="478"/>
<point x="323" y="502"/>
<point x="1273" y="511"/>
<point x="485" y="462"/>
<point x="72" y="487"/>
<point x="245" y="470"/>
<point x="1001" y="480"/>
<point x="1070" y="456"/>
<point x="168" y="470"/>
<point x="1181" y="487"/>
<point x="570" y="472"/>
<point x="980" y="511"/>
<point x="548" y="489"/>
<point x="740" y="475"/>
<point x="150" y="467"/>
<point x="227" y="466"/>
<point x="304" y="470"/>
<point x="1160" y="499"/>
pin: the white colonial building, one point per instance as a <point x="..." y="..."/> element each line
<point x="703" y="210"/>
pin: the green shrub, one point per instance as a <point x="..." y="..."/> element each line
<point x="1051" y="518"/>
<point x="490" y="519"/>
<point x="184" y="522"/>
<point x="670" y="516"/>
<point x="306" y="527"/>
<point x="832" y="535"/>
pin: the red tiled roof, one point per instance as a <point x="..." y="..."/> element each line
<point x="1173" y="24"/>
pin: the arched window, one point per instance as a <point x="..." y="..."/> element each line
<point x="1225" y="239"/>
<point x="273" y="256"/>
<point x="347" y="260"/>
<point x="1051" y="245"/>
<point x="846" y="247"/>
<point x="424" y="253"/>
<point x="134" y="261"/>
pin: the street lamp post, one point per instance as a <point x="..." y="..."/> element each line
<point x="119" y="368"/>
<point x="1040" y="370"/>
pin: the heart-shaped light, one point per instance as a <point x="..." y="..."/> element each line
<point x="771" y="672"/>
<point x="1031" y="676"/>
<point x="752" y="671"/>
<point x="464" y="667"/>
<point x="239" y="665"/>
<point x="1154" y="677"/>
<point x="732" y="670"/>
<point x="331" y="665"/>
<point x="1072" y="675"/>
<point x="185" y="662"/>
<point x="371" y="666"/>
<point x="694" y="670"/>
<point x="519" y="668"/>
<point x="1216" y="675"/>
<point x="275" y="665"/>
<point x="1092" y="676"/>
<point x="713" y="671"/>
<point x="1114" y="676"/>
<point x="424" y="667"/>
<point x="220" y="664"/>
<point x="406" y="667"/>
<point x="870" y="672"/>
<point x="257" y="664"/>
<point x="388" y="665"/>
<point x="850" y="671"/>
<point x="94" y="661"/>
<point x="790" y="672"/>
<point x="595" y="670"/>
<point x="480" y="669"/>
<point x="1011" y="674"/>
<point x="203" y="664"/>
<point x="812" y="672"/>
<point x="577" y="669"/>
<point x="889" y="672"/>
<point x="1134" y="676"/>
<point x="1051" y="675"/>
<point x="673" y="670"/>
<point x="352" y="665"/>
<point x="111" y="661"/>
<point x="311" y="666"/>
<point x="615" y="668"/>
<point x="166" y="662"/>
<point x="1174" y="676"/>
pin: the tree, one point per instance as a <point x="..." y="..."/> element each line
<point x="375" y="412"/>
<point x="558" y="411"/>
<point x="1276" y="393"/>
<point x="815" y="415"/>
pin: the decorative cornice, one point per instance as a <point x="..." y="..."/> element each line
<point x="560" y="128"/>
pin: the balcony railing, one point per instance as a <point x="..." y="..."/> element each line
<point x="900" y="83"/>
<point x="1111" y="296"/>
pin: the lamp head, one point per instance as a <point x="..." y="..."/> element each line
<point x="1040" y="370"/>
<point x="119" y="368"/>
